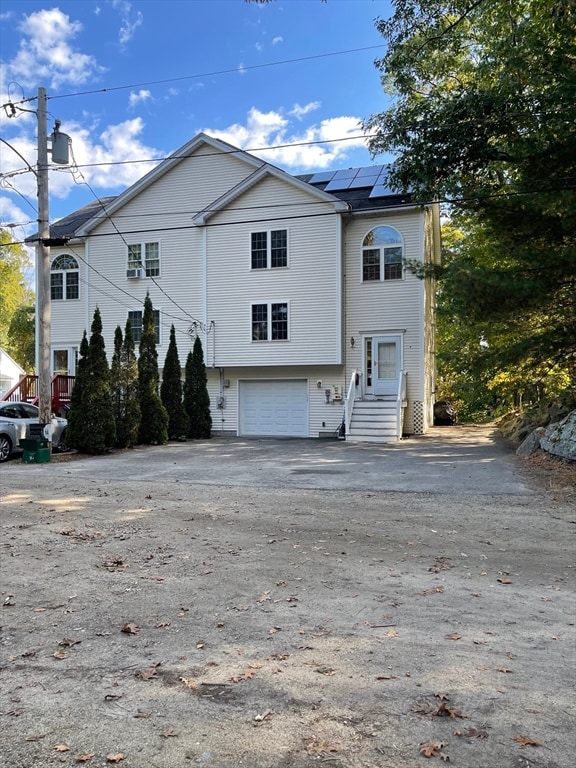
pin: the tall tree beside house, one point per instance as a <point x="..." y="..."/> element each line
<point x="154" y="420"/>
<point x="126" y="403"/>
<point x="171" y="392"/>
<point x="484" y="115"/>
<point x="196" y="397"/>
<point x="93" y="428"/>
<point x="14" y="296"/>
<point x="22" y="336"/>
<point x="75" y="428"/>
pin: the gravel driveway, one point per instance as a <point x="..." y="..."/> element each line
<point x="282" y="604"/>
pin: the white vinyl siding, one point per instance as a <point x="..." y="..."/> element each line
<point x="311" y="284"/>
<point x="387" y="307"/>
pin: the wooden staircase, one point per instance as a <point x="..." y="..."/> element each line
<point x="26" y="391"/>
<point x="375" y="421"/>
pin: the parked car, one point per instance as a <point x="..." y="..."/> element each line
<point x="15" y="420"/>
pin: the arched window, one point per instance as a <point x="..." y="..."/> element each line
<point x="382" y="252"/>
<point x="64" y="278"/>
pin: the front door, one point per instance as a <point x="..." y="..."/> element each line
<point x="64" y="361"/>
<point x="386" y="364"/>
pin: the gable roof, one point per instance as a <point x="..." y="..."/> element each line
<point x="167" y="165"/>
<point x="354" y="200"/>
<point x="253" y="179"/>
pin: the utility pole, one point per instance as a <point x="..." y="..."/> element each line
<point x="43" y="284"/>
<point x="43" y="267"/>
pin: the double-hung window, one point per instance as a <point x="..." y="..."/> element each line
<point x="144" y="256"/>
<point x="64" y="278"/>
<point x="382" y="252"/>
<point x="135" y="318"/>
<point x="270" y="321"/>
<point x="269" y="249"/>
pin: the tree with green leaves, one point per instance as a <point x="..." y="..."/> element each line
<point x="75" y="428"/>
<point x="154" y="418"/>
<point x="484" y="117"/>
<point x="196" y="397"/>
<point x="171" y="392"/>
<point x="22" y="336"/>
<point x="92" y="428"/>
<point x="125" y="399"/>
<point x="14" y="295"/>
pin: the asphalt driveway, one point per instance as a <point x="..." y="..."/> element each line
<point x="460" y="459"/>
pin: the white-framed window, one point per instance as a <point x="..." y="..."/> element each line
<point x="64" y="278"/>
<point x="135" y="316"/>
<point x="145" y="256"/>
<point x="382" y="253"/>
<point x="270" y="321"/>
<point x="269" y="249"/>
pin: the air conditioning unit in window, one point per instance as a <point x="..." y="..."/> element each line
<point x="134" y="273"/>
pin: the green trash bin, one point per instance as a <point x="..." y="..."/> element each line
<point x="35" y="449"/>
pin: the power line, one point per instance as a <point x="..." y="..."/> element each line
<point x="234" y="70"/>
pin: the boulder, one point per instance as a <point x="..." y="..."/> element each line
<point x="531" y="443"/>
<point x="560" y="438"/>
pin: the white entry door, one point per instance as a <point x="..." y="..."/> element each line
<point x="386" y="364"/>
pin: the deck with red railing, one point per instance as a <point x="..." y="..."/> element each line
<point x="26" y="391"/>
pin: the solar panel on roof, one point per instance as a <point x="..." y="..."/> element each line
<point x="338" y="184"/>
<point x="318" y="178"/>
<point x="363" y="181"/>
<point x="371" y="170"/>
<point x="381" y="190"/>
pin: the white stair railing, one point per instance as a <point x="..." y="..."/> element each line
<point x="349" y="400"/>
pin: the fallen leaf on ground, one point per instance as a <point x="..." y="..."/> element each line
<point x="526" y="741"/>
<point x="503" y="669"/>
<point x="85" y="758"/>
<point x="274" y="630"/>
<point x="189" y="683"/>
<point x="130" y="629"/>
<point x="143" y="714"/>
<point x="433" y="591"/>
<point x="454" y="636"/>
<point x="60" y="655"/>
<point x="114" y="757"/>
<point x="444" y="711"/>
<point x="36" y="737"/>
<point x="62" y="748"/>
<point x="504" y="580"/>
<point x="391" y="633"/>
<point x="432" y="748"/>
<point x="68" y="643"/>
<point x="386" y="677"/>
<point x="166" y="734"/>
<point x="146" y="674"/>
<point x="318" y="747"/>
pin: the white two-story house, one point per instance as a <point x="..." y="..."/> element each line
<point x="296" y="285"/>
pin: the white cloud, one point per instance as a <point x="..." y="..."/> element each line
<point x="241" y="69"/>
<point x="277" y="40"/>
<point x="259" y="47"/>
<point x="305" y="149"/>
<point x="142" y="95"/>
<point x="113" y="161"/>
<point x="46" y="52"/>
<point x="299" y="112"/>
<point x="129" y="21"/>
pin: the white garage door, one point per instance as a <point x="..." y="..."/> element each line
<point x="274" y="408"/>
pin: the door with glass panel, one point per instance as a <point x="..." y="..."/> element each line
<point x="386" y="364"/>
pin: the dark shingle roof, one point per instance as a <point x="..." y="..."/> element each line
<point x="69" y="225"/>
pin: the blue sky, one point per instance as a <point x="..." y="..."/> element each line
<point x="133" y="81"/>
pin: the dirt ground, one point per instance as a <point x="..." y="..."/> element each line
<point x="157" y="624"/>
